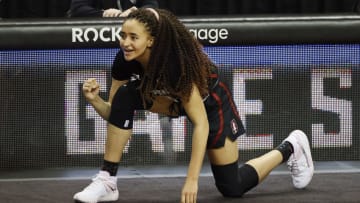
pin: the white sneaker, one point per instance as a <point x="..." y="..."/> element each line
<point x="103" y="188"/>
<point x="300" y="162"/>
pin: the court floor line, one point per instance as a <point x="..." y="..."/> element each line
<point x="159" y="171"/>
<point x="175" y="175"/>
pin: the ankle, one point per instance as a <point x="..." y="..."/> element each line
<point x="110" y="167"/>
<point x="286" y="149"/>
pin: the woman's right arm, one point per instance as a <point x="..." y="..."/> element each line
<point x="91" y="90"/>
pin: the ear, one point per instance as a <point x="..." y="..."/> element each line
<point x="150" y="42"/>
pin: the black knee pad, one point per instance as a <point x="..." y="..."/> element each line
<point x="232" y="181"/>
<point x="126" y="100"/>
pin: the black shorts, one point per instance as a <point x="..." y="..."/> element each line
<point x="224" y="119"/>
<point x="221" y="111"/>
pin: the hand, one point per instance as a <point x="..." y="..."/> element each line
<point x="91" y="89"/>
<point x="111" y="12"/>
<point x="189" y="191"/>
<point x="128" y="11"/>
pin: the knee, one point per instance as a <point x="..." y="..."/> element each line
<point x="122" y="108"/>
<point x="229" y="190"/>
<point x="232" y="181"/>
<point x="227" y="181"/>
<point x="122" y="96"/>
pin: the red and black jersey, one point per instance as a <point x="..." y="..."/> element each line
<point x="222" y="113"/>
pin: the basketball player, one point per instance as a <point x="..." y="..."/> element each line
<point x="163" y="69"/>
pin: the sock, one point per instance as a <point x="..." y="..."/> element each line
<point x="110" y="167"/>
<point x="286" y="150"/>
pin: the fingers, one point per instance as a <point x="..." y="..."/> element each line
<point x="90" y="84"/>
<point x="127" y="12"/>
<point x="189" y="191"/>
<point x="133" y="8"/>
<point x="188" y="198"/>
<point x="111" y="12"/>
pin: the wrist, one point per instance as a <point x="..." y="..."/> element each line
<point x="94" y="99"/>
<point x="192" y="178"/>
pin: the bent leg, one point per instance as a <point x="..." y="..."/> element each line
<point x="232" y="181"/>
<point x="126" y="100"/>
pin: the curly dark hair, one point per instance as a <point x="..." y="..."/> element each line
<point x="177" y="59"/>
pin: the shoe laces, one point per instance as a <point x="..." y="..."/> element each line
<point x="293" y="166"/>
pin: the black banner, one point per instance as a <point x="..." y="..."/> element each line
<point x="212" y="31"/>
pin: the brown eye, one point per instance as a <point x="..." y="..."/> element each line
<point x="122" y="35"/>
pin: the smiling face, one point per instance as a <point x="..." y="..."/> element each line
<point x="135" y="41"/>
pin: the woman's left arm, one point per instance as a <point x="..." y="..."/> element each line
<point x="196" y="112"/>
